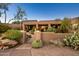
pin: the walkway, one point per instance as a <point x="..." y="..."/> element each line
<point x="50" y="50"/>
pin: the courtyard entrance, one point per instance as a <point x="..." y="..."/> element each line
<point x="30" y="27"/>
<point x="43" y="27"/>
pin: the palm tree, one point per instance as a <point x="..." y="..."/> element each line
<point x="4" y="6"/>
<point x="0" y="15"/>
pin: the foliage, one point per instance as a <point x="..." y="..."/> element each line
<point x="13" y="34"/>
<point x="78" y="27"/>
<point x="75" y="27"/>
<point x="4" y="6"/>
<point x="20" y="14"/>
<point x="51" y="29"/>
<point x="3" y="28"/>
<point x="16" y="22"/>
<point x="37" y="43"/>
<point x="72" y="40"/>
<point x="65" y="26"/>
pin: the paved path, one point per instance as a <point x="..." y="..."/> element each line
<point x="48" y="50"/>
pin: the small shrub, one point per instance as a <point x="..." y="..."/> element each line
<point x="13" y="34"/>
<point x="72" y="40"/>
<point x="3" y="28"/>
<point x="65" y="26"/>
<point x="37" y="43"/>
<point x="51" y="29"/>
<point x="75" y="27"/>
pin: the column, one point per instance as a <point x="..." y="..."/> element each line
<point x="49" y="25"/>
<point x="23" y="39"/>
<point x="37" y="35"/>
<point x="36" y="26"/>
<point x="23" y="27"/>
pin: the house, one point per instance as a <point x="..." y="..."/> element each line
<point x="40" y="25"/>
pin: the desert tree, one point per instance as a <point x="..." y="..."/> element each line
<point x="4" y="7"/>
<point x="65" y="25"/>
<point x="19" y="15"/>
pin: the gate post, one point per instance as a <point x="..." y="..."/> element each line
<point x="37" y="35"/>
<point x="23" y="39"/>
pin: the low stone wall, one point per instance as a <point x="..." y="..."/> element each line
<point x="47" y="36"/>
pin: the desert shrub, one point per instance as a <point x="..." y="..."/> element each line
<point x="65" y="26"/>
<point x="74" y="26"/>
<point x="3" y="28"/>
<point x="51" y="29"/>
<point x="37" y="43"/>
<point x="72" y="40"/>
<point x="13" y="34"/>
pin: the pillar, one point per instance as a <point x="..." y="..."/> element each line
<point x="23" y="39"/>
<point x="49" y="25"/>
<point x="23" y="27"/>
<point x="37" y="35"/>
<point x="36" y="26"/>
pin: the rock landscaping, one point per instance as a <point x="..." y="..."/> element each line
<point x="7" y="43"/>
<point x="9" y="39"/>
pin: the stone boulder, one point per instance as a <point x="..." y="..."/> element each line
<point x="8" y="42"/>
<point x="5" y="41"/>
<point x="2" y="37"/>
<point x="12" y="42"/>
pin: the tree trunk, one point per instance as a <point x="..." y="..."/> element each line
<point x="5" y="15"/>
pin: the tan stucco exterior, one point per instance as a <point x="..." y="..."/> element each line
<point x="47" y="23"/>
<point x="37" y="24"/>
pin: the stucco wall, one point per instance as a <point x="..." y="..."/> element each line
<point x="47" y="36"/>
<point x="14" y="26"/>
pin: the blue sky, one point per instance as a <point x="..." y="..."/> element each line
<point x="44" y="11"/>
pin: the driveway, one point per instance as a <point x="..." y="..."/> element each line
<point x="48" y="50"/>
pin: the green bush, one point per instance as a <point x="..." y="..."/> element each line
<point x="3" y="28"/>
<point x="75" y="27"/>
<point x="37" y="43"/>
<point x="65" y="26"/>
<point x="72" y="40"/>
<point x="51" y="29"/>
<point x="13" y="34"/>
